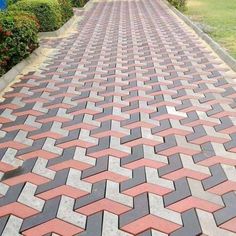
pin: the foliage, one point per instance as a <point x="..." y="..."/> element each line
<point x="10" y="2"/>
<point x="20" y="24"/>
<point x="66" y="9"/>
<point x="48" y="12"/>
<point x="179" y="4"/>
<point x="78" y="3"/>
<point x="18" y="38"/>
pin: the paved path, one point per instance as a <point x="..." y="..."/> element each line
<point x="129" y="129"/>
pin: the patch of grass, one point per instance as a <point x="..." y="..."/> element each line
<point x="220" y="16"/>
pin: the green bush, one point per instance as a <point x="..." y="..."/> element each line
<point x="79" y="3"/>
<point x="66" y="9"/>
<point x="18" y="38"/>
<point x="10" y="2"/>
<point x="48" y="12"/>
<point x="179" y="4"/>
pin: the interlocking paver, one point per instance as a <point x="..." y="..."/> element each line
<point x="128" y="128"/>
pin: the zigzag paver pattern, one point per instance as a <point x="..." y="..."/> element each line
<point x="129" y="129"/>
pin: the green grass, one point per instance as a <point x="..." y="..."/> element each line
<point x="220" y="16"/>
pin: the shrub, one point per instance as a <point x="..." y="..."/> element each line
<point x="66" y="9"/>
<point x="18" y="38"/>
<point x="48" y="12"/>
<point x="179" y="4"/>
<point x="10" y="2"/>
<point x="78" y="3"/>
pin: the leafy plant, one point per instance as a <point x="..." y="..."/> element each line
<point x="48" y="12"/>
<point x="79" y="3"/>
<point x="10" y="2"/>
<point x="18" y="38"/>
<point x="66" y="9"/>
<point x="179" y="4"/>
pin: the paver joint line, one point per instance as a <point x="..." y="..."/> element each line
<point x="129" y="128"/>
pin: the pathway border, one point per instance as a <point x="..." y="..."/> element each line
<point x="228" y="59"/>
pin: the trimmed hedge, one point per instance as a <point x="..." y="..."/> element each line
<point x="19" y="27"/>
<point x="79" y="3"/>
<point x="10" y="2"/>
<point x="66" y="10"/>
<point x="48" y="12"/>
<point x="179" y="4"/>
<point x="18" y="38"/>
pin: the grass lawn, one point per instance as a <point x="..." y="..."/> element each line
<point x="218" y="18"/>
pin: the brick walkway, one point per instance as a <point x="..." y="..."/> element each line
<point x="129" y="129"/>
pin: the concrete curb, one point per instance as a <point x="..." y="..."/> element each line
<point x="229" y="60"/>
<point x="16" y="70"/>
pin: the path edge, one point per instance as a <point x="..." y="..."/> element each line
<point x="220" y="51"/>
